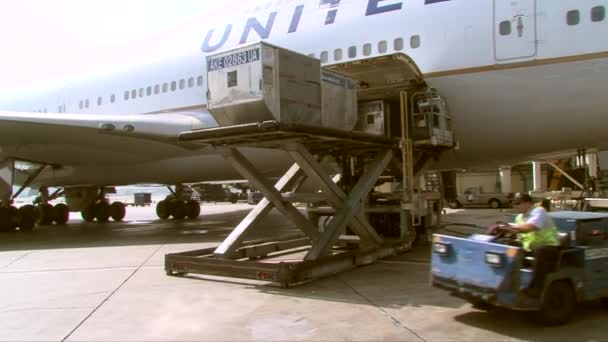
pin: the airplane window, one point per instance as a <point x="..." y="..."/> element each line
<point x="126" y="95"/>
<point x="337" y="54"/>
<point x="165" y="87"/>
<point x="352" y="52"/>
<point x="99" y="101"/>
<point x="367" y="49"/>
<point x="398" y="44"/>
<point x="504" y="28"/>
<point x="311" y="55"/>
<point x="86" y="103"/>
<point x="112" y="98"/>
<point x="59" y="109"/>
<point x="598" y="13"/>
<point x="382" y="46"/>
<point x="134" y="94"/>
<point x="191" y="82"/>
<point x="199" y="81"/>
<point x="173" y="86"/>
<point x="182" y="84"/>
<point x="573" y="17"/>
<point x="415" y="42"/>
<point x="141" y="92"/>
<point x="80" y="104"/>
<point x="157" y="89"/>
<point x="148" y="91"/>
<point x="324" y="56"/>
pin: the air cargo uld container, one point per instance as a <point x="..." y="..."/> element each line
<point x="263" y="82"/>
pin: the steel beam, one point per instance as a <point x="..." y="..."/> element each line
<point x="7" y="175"/>
<point x="334" y="195"/>
<point x="247" y="170"/>
<point x="233" y="241"/>
<point x="352" y="206"/>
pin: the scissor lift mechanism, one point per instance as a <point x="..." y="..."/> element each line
<point x="307" y="146"/>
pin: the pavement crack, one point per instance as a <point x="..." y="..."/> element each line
<point x="395" y="320"/>
<point x="47" y="309"/>
<point x="17" y="259"/>
<point x="72" y="269"/>
<point x="112" y="294"/>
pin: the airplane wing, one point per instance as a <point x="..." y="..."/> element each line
<point x="79" y="139"/>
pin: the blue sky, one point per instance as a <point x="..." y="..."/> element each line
<point x="45" y="40"/>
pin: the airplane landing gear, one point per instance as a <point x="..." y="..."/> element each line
<point x="175" y="206"/>
<point x="101" y="210"/>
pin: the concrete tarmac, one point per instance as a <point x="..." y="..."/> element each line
<point x="106" y="282"/>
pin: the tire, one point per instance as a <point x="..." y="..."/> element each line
<point x="62" y="214"/>
<point x="47" y="214"/>
<point x="88" y="213"/>
<point x="162" y="210"/>
<point x="15" y="217"/>
<point x="178" y="209"/>
<point x="29" y="216"/>
<point x="102" y="212"/>
<point x="494" y="203"/>
<point x="454" y="204"/>
<point x="193" y="209"/>
<point x="558" y="304"/>
<point x="118" y="211"/>
<point x="5" y="220"/>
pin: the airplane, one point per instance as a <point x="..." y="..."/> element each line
<point x="522" y="78"/>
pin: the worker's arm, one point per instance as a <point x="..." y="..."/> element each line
<point x="523" y="228"/>
<point x="535" y="221"/>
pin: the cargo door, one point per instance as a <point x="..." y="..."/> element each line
<point x="514" y="29"/>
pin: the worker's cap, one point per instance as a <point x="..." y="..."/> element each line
<point x="521" y="198"/>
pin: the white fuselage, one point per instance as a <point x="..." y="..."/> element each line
<point x="522" y="77"/>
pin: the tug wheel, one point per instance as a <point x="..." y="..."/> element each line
<point x="558" y="304"/>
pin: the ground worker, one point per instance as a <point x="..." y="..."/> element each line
<point x="539" y="237"/>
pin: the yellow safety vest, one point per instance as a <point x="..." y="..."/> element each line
<point x="544" y="236"/>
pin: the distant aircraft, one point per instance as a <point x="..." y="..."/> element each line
<point x="522" y="78"/>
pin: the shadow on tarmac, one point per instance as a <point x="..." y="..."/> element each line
<point x="588" y="319"/>
<point x="207" y="228"/>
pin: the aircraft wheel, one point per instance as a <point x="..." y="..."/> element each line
<point x="102" y="212"/>
<point x="193" y="209"/>
<point x="62" y="214"/>
<point x="47" y="214"/>
<point x="15" y="216"/>
<point x="162" y="210"/>
<point x="118" y="211"/>
<point x="28" y="216"/>
<point x="178" y="209"/>
<point x="88" y="213"/>
<point x="6" y="222"/>
<point x="558" y="304"/>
